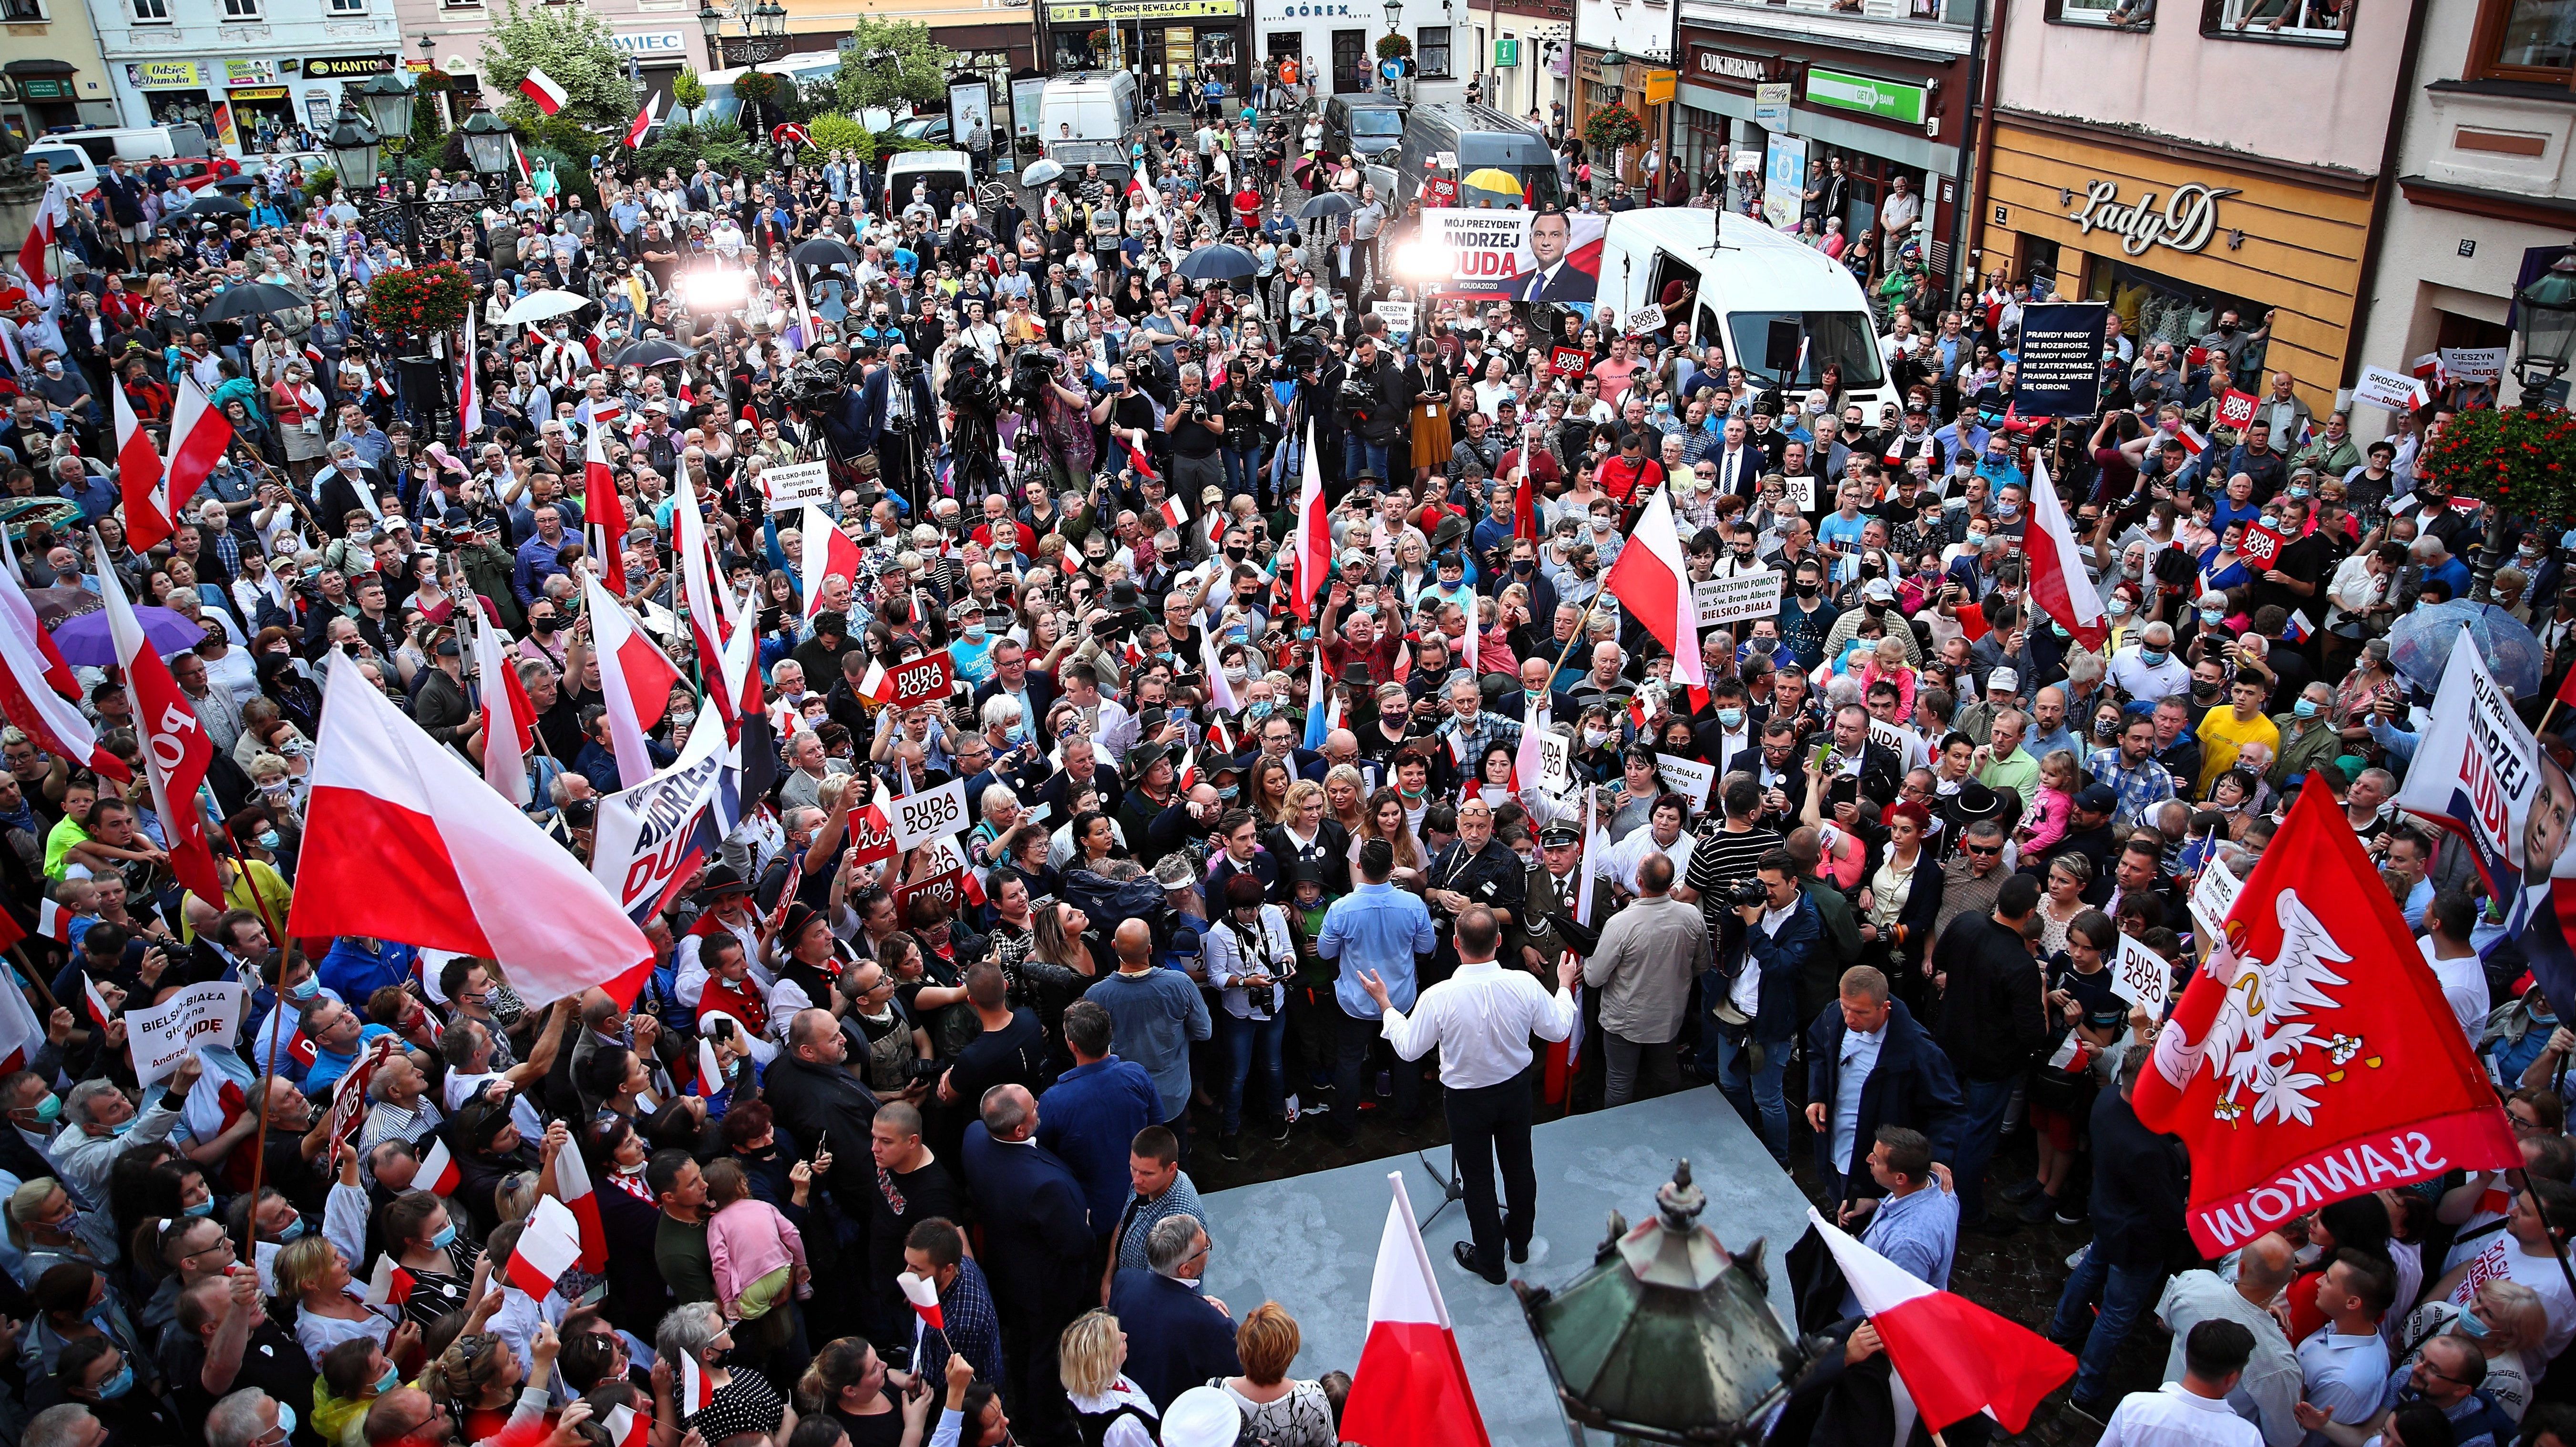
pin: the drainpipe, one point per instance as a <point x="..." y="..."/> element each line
<point x="1976" y="147"/>
<point x="2374" y="244"/>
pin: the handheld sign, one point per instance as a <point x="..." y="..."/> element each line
<point x="2141" y="977"/>
<point x="1647" y="318"/>
<point x="932" y="815"/>
<point x="2262" y="545"/>
<point x="872" y="834"/>
<point x="162" y="1036"/>
<point x="789" y="488"/>
<point x="2235" y="409"/>
<point x="1569" y="362"/>
<point x="1687" y="777"/>
<point x="1555" y="761"/>
<point x="928" y="679"/>
<point x="1746" y="595"/>
<point x="2212" y="895"/>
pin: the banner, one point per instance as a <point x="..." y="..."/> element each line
<point x="2261" y="547"/>
<point x="1517" y="255"/>
<point x="789" y="488"/>
<point x="2312" y="1057"/>
<point x="2061" y="358"/>
<point x="1687" y="777"/>
<point x="936" y="814"/>
<point x="1746" y="595"/>
<point x="2473" y="364"/>
<point x="650" y="839"/>
<point x="2391" y="391"/>
<point x="160" y="1037"/>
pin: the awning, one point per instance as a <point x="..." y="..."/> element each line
<point x="40" y="67"/>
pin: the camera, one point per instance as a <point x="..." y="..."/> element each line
<point x="1031" y="373"/>
<point x="812" y="386"/>
<point x="1745" y="892"/>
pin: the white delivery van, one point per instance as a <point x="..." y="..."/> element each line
<point x="1088" y="105"/>
<point x="1782" y="311"/>
<point x="79" y="156"/>
<point x="945" y="173"/>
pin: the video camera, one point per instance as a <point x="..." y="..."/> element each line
<point x="812" y="387"/>
<point x="1032" y="372"/>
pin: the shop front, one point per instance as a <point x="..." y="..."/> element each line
<point x="1330" y="41"/>
<point x="46" y="91"/>
<point x="2172" y="235"/>
<point x="1173" y="47"/>
<point x="1648" y="92"/>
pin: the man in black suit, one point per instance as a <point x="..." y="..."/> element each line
<point x="1037" y="1245"/>
<point x="824" y="1106"/>
<point x="1177" y="1338"/>
<point x="1878" y="769"/>
<point x="1082" y="768"/>
<point x="1903" y="1079"/>
<point x="1034" y="692"/>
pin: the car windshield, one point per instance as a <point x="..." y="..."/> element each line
<point x="1377" y="124"/>
<point x="1831" y="339"/>
<point x="60" y="159"/>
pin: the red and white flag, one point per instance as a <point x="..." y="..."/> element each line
<point x="1174" y="512"/>
<point x="389" y="1284"/>
<point x="54" y="922"/>
<point x="603" y="514"/>
<point x="1410" y="1388"/>
<point x="469" y="401"/>
<point x="1957" y="1358"/>
<point x="711" y="1077"/>
<point x="1221" y="692"/>
<point x="198" y="437"/>
<point x="1314" y="556"/>
<point x="2193" y="441"/>
<point x="711" y="616"/>
<point x="141" y="478"/>
<point x="828" y="553"/>
<point x="626" y="1427"/>
<point x="542" y="89"/>
<point x="21" y="1033"/>
<point x="696" y="1392"/>
<point x="31" y="254"/>
<point x="572" y="1187"/>
<point x="509" y="718"/>
<point x="549" y="1245"/>
<point x="1651" y="579"/>
<point x="924" y="1298"/>
<point x="2057" y="576"/>
<point x="53" y="671"/>
<point x="404" y="847"/>
<point x="635" y="681"/>
<point x="878" y="685"/>
<point x="643" y="122"/>
<point x="176" y="751"/>
<point x="437" y="1174"/>
<point x="100" y="1012"/>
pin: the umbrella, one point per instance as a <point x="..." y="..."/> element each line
<point x="252" y="299"/>
<point x="826" y="253"/>
<point x="651" y="352"/>
<point x="1497" y="181"/>
<point x="206" y="207"/>
<point x="540" y="305"/>
<point x="85" y="642"/>
<point x="2419" y="646"/>
<point x="1221" y="262"/>
<point x="1326" y="203"/>
<point x="1042" y="171"/>
<point x="236" y="183"/>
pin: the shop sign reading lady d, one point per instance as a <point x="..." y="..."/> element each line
<point x="2186" y="222"/>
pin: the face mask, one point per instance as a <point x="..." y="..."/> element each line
<point x="2468" y="1324"/>
<point x="2211" y="617"/>
<point x="118" y="1385"/>
<point x="445" y="1238"/>
<point x="123" y="1126"/>
<point x="2305" y="708"/>
<point x="1809" y="590"/>
<point x="304" y="989"/>
<point x="205" y="1207"/>
<point x="974" y="632"/>
<point x="1730" y="719"/>
<point x="2106" y="729"/>
<point x="1229" y="791"/>
<point x="1236" y="555"/>
<point x="1018" y="735"/>
<point x="2119" y="607"/>
<point x="1234" y="676"/>
<point x="390" y="1380"/>
<point x="292" y="1231"/>
<point x="2298" y="492"/>
<point x="1595" y="738"/>
<point x="2153" y="657"/>
<point x="286" y="1419"/>
<point x="49" y="1110"/>
<point x="1976" y="539"/>
<point x="2204" y="691"/>
<point x="53" y="369"/>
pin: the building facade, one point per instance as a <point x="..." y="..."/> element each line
<point x="52" y="75"/>
<point x="2112" y="175"/>
<point x="2485" y="197"/>
<point x="660" y="37"/>
<point x="249" y="71"/>
<point x="1645" y="35"/>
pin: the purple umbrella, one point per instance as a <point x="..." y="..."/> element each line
<point x="85" y="642"/>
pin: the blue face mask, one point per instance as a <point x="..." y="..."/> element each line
<point x="118" y="1385"/>
<point x="305" y="989"/>
<point x="205" y="1207"/>
<point x="2153" y="657"/>
<point x="1258" y="708"/>
<point x="292" y="1231"/>
<point x="1730" y="719"/>
<point x="390" y="1380"/>
<point x="445" y="1238"/>
<point x="286" y="1419"/>
<point x="1018" y="735"/>
<point x="268" y="839"/>
<point x="49" y="1110"/>
<point x="122" y="1126"/>
<point x="2469" y="1324"/>
<point x="2305" y="708"/>
<point x="2210" y="617"/>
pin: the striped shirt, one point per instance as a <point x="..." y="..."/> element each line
<point x="1722" y="857"/>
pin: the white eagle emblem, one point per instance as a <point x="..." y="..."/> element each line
<point x="2265" y="1025"/>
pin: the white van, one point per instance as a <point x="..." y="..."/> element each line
<point x="1089" y="105"/>
<point x="79" y="156"/>
<point x="946" y="173"/>
<point x="1782" y="311"/>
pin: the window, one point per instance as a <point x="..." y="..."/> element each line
<point x="241" y="9"/>
<point x="1431" y="52"/>
<point x="348" y="7"/>
<point x="2110" y="14"/>
<point x="22" y="10"/>
<point x="2524" y="40"/>
<point x="152" y="12"/>
<point x="2293" y="22"/>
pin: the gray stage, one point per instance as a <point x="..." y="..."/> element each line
<point x="1310" y="1242"/>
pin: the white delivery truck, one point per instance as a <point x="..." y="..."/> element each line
<point x="1088" y="105"/>
<point x="1782" y="311"/>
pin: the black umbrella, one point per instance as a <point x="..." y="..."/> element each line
<point x="1231" y="264"/>
<point x="236" y="183"/>
<point x="206" y="208"/>
<point x="251" y="299"/>
<point x="651" y="352"/>
<point x="824" y="253"/>
<point x="1327" y="203"/>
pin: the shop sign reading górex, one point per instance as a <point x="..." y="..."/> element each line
<point x="2186" y="222"/>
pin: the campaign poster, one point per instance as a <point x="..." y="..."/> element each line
<point x="2061" y="358"/>
<point x="650" y="839"/>
<point x="1518" y="255"/>
<point x="161" y="1036"/>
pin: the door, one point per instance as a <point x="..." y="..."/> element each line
<point x="1350" y="61"/>
<point x="1287" y="45"/>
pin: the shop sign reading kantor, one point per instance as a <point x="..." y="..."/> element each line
<point x="2186" y="222"/>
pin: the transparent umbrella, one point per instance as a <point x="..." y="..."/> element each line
<point x="2420" y="645"/>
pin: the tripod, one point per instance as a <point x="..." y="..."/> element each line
<point x="1453" y="1188"/>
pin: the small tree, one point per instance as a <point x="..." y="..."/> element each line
<point x="688" y="92"/>
<point x="893" y="64"/>
<point x="571" y="45"/>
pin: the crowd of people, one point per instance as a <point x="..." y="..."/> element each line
<point x="1231" y="829"/>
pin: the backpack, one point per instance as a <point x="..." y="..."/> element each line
<point x="1108" y="903"/>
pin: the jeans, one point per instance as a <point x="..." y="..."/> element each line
<point x="2126" y="1293"/>
<point x="1360" y="455"/>
<point x="1353" y="1044"/>
<point x="1628" y="1065"/>
<point x="1243" y="1039"/>
<point x="1242" y="472"/>
<point x="1490" y="1125"/>
<point x="1981" y="1125"/>
<point x="1748" y="1086"/>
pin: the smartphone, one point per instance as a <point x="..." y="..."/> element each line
<point x="724" y="1029"/>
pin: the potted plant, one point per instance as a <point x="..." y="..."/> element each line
<point x="2522" y="460"/>
<point x="1613" y="126"/>
<point x="419" y="301"/>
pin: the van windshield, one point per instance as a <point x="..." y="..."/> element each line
<point x="61" y="159"/>
<point x="1526" y="158"/>
<point x="1377" y="125"/>
<point x="1833" y="339"/>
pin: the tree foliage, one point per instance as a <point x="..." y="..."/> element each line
<point x="722" y="145"/>
<point x="907" y="66"/>
<point x="570" y="44"/>
<point x="837" y="133"/>
<point x="688" y="92"/>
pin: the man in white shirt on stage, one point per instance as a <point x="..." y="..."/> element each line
<point x="1482" y="1019"/>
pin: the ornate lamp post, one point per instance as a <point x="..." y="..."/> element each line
<point x="2547" y="310"/>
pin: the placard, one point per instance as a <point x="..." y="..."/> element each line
<point x="1687" y="777"/>
<point x="158" y="1038"/>
<point x="928" y="679"/>
<point x="1891" y="737"/>
<point x="2261" y="545"/>
<point x="1647" y="318"/>
<point x="946" y="881"/>
<point x="872" y="834"/>
<point x="2473" y="364"/>
<point x="1555" y="761"/>
<point x="935" y="814"/>
<point x="1569" y="362"/>
<point x="1398" y="316"/>
<point x="1439" y="191"/>
<point x="2235" y="409"/>
<point x="2061" y="358"/>
<point x="349" y="1092"/>
<point x="789" y="488"/>
<point x="2212" y="895"/>
<point x="1746" y="595"/>
<point x="2390" y="391"/>
<point x="2140" y="976"/>
<point x="1800" y="490"/>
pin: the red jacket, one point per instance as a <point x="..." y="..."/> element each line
<point x="1622" y="479"/>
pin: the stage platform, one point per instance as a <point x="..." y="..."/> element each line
<point x="1310" y="1242"/>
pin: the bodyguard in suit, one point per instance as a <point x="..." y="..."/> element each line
<point x="1037" y="1244"/>
<point x="1869" y="1064"/>
<point x="1177" y="1338"/>
<point x="1035" y="692"/>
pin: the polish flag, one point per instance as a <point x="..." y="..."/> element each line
<point x="198" y="437"/>
<point x="405" y="847"/>
<point x="643" y="122"/>
<point x="21" y="1033"/>
<point x="711" y="1079"/>
<point x="603" y="514"/>
<point x="2057" y="576"/>
<point x="924" y="1298"/>
<point x="1410" y="1386"/>
<point x="711" y="619"/>
<point x="572" y="1187"/>
<point x="389" y="1284"/>
<point x="54" y="922"/>
<point x="1174" y="513"/>
<point x="696" y="1392"/>
<point x="625" y="1428"/>
<point x="520" y="159"/>
<point x="1957" y="1358"/>
<point x="384" y="384"/>
<point x="437" y="1174"/>
<point x="1651" y="579"/>
<point x="20" y="615"/>
<point x="31" y="255"/>
<point x="549" y="1246"/>
<point x="100" y="1012"/>
<point x="1188" y="772"/>
<point x="469" y="403"/>
<point x="139" y="476"/>
<point x="828" y="553"/>
<point x="176" y="751"/>
<point x="2193" y="441"/>
<point x="509" y="719"/>
<point x="542" y="89"/>
<point x="635" y="680"/>
<point x="1402" y="668"/>
<point x="1528" y="763"/>
<point x="878" y="686"/>
<point x="1221" y="692"/>
<point x="1314" y="536"/>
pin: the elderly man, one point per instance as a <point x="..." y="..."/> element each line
<point x="1177" y="1336"/>
<point x="1648" y="955"/>
<point x="1037" y="1240"/>
<point x="2267" y="1394"/>
<point x="87" y="1148"/>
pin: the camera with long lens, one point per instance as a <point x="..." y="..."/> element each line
<point x="1745" y="892"/>
<point x="971" y="382"/>
<point x="812" y="387"/>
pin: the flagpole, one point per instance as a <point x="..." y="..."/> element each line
<point x="2557" y="1248"/>
<point x="34" y="978"/>
<point x="280" y="944"/>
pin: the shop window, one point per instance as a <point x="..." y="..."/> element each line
<point x="2137" y="15"/>
<point x="152" y="12"/>
<point x="1431" y="52"/>
<point x="2291" y="22"/>
<point x="2524" y="40"/>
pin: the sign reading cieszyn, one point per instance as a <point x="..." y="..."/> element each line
<point x="2186" y="222"/>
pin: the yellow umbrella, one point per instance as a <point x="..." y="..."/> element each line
<point x="1500" y="182"/>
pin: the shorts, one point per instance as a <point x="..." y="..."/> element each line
<point x="136" y="234"/>
<point x="2057" y="1127"/>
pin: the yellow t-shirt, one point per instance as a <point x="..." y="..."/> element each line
<point x="2222" y="738"/>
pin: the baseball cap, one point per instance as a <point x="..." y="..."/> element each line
<point x="2003" y="679"/>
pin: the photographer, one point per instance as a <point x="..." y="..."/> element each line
<point x="1197" y="431"/>
<point x="1752" y="999"/>
<point x="1370" y="404"/>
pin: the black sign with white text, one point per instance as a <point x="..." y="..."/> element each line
<point x="2061" y="359"/>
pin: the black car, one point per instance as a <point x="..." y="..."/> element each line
<point x="1363" y="125"/>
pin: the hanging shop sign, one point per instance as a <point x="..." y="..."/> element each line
<point x="2185" y="222"/>
<point x="1888" y="100"/>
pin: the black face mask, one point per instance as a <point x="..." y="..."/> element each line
<point x="2204" y="691"/>
<point x="1809" y="590"/>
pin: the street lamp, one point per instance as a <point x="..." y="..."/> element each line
<point x="711" y="20"/>
<point x="389" y="104"/>
<point x="770" y="18"/>
<point x="2548" y="326"/>
<point x="355" y="146"/>
<point x="1614" y="67"/>
<point x="1394" y="15"/>
<point x="487" y="141"/>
